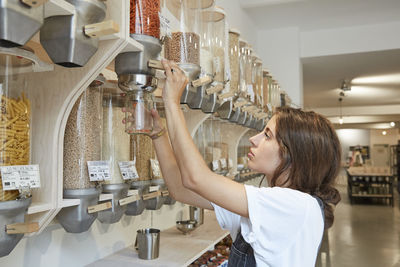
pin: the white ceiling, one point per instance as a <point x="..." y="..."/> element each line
<point x="322" y="76"/>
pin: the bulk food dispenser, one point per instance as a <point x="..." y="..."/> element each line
<point x="135" y="77"/>
<point x="182" y="45"/>
<point x="226" y="110"/>
<point x="240" y="116"/>
<point x="214" y="23"/>
<point x="116" y="151"/>
<point x="15" y="148"/>
<point x="19" y="21"/>
<point x="82" y="146"/>
<point x="64" y="38"/>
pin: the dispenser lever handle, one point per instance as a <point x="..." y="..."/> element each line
<point x="202" y="81"/>
<point x="34" y="3"/>
<point x="151" y="195"/>
<point x="155" y="64"/>
<point x="101" y="29"/>
<point x="22" y="228"/>
<point x="214" y="89"/>
<point x="100" y="207"/>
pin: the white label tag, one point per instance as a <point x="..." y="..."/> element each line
<point x="99" y="170"/>
<point x="250" y="92"/>
<point x="165" y="25"/>
<point x="128" y="170"/>
<point x="154" y="188"/>
<point x="215" y="165"/>
<point x="223" y="163"/>
<point x="230" y="163"/>
<point x="17" y="177"/>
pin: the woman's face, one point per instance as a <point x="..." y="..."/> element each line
<point x="264" y="152"/>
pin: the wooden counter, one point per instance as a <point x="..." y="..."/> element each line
<point x="176" y="249"/>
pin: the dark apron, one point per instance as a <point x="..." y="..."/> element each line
<point x="242" y="253"/>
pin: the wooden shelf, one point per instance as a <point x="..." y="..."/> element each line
<point x="370" y="195"/>
<point x="176" y="249"/>
<point x="70" y="202"/>
<point x="58" y="8"/>
<point x="39" y="207"/>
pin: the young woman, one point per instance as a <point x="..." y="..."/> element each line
<point x="281" y="225"/>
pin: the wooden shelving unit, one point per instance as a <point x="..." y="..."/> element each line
<point x="172" y="252"/>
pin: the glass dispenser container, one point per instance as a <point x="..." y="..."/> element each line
<point x="214" y="26"/>
<point x="15" y="145"/>
<point x="82" y="143"/>
<point x="115" y="150"/>
<point x="182" y="44"/>
<point x="227" y="110"/>
<point x="145" y="18"/>
<point x="138" y="119"/>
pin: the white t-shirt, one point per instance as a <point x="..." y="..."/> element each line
<point x="284" y="227"/>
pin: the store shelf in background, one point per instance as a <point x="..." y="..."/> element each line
<point x="176" y="249"/>
<point x="370" y="195"/>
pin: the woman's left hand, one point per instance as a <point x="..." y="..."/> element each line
<point x="175" y="83"/>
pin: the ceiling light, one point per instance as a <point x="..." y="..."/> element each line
<point x="345" y="86"/>
<point x="381" y="79"/>
<point x="384" y="132"/>
<point x="340" y="120"/>
<point x="340" y="110"/>
<point x="392" y="124"/>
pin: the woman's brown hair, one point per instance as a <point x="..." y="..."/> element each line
<point x="310" y="153"/>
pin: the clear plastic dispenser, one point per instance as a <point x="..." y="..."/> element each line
<point x="183" y="43"/>
<point x="240" y="115"/>
<point x="15" y="146"/>
<point x="214" y="21"/>
<point x="115" y="150"/>
<point x="226" y="110"/>
<point x="82" y="144"/>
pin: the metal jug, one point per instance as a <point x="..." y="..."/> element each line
<point x="148" y="243"/>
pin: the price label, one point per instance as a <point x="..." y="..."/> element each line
<point x="165" y="25"/>
<point x="17" y="177"/>
<point x="128" y="170"/>
<point x="217" y="64"/>
<point x="99" y="170"/>
<point x="223" y="163"/>
<point x="215" y="165"/>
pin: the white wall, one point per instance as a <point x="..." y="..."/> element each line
<point x="280" y="53"/>
<point x="352" y="137"/>
<point x="391" y="137"/>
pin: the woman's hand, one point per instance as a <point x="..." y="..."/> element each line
<point x="175" y="83"/>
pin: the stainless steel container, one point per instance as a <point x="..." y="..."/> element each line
<point x="196" y="214"/>
<point x="18" y="22"/>
<point x="148" y="243"/>
<point x="63" y="37"/>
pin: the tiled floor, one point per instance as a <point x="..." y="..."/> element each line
<point x="363" y="235"/>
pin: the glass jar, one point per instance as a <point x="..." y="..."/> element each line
<point x="234" y="59"/>
<point x="116" y="142"/>
<point x="144" y="17"/>
<point x="82" y="138"/>
<point x="15" y="118"/>
<point x="259" y="101"/>
<point x="183" y="44"/>
<point x="138" y="106"/>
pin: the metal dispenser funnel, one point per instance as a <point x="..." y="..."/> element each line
<point x="18" y="22"/>
<point x="64" y="39"/>
<point x="11" y="212"/>
<point x="192" y="95"/>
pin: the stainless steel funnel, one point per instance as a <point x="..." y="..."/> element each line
<point x="114" y="214"/>
<point x="18" y="22"/>
<point x="63" y="37"/>
<point x="191" y="94"/>
<point x="76" y="219"/>
<point x="11" y="212"/>
<point x="225" y="111"/>
<point x="210" y="103"/>
<point x="137" y="62"/>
